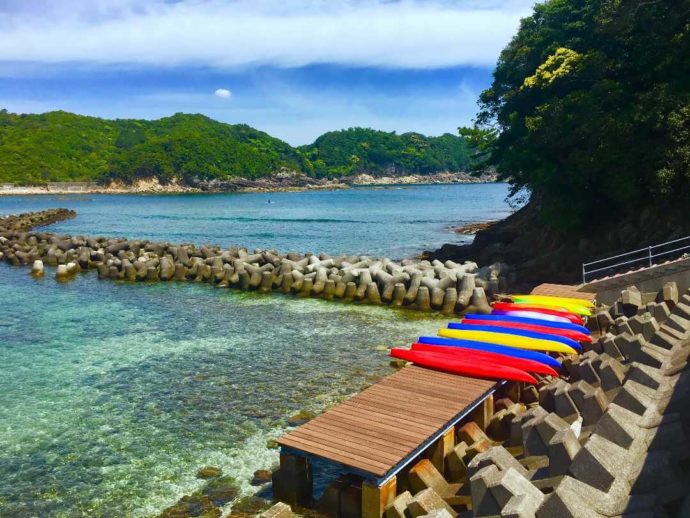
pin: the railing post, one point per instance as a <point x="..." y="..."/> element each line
<point x="583" y="274"/>
<point x="649" y="249"/>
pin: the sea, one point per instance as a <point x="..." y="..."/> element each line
<point x="113" y="395"/>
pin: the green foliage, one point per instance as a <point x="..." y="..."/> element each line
<point x="364" y="150"/>
<point x="60" y="146"/>
<point x="480" y="142"/>
<point x="591" y="104"/>
<point x="55" y="146"/>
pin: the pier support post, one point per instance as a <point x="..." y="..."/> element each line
<point x="441" y="448"/>
<point x="375" y="498"/>
<point x="482" y="414"/>
<point x="293" y="483"/>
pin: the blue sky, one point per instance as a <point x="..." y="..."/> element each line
<point x="292" y="68"/>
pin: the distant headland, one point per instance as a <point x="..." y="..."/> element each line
<point x="65" y="152"/>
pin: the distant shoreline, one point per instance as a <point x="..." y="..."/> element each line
<point x="276" y="183"/>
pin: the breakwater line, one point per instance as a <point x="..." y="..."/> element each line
<point x="447" y="287"/>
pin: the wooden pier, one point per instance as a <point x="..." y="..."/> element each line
<point x="381" y="431"/>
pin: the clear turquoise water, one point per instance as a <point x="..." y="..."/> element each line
<point x="393" y="221"/>
<point x="113" y="395"/>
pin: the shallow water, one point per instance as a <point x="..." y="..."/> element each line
<point x="112" y="395"/>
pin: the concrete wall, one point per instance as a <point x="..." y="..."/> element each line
<point x="608" y="293"/>
<point x="71" y="186"/>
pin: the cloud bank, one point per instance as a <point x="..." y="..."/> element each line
<point x="414" y="34"/>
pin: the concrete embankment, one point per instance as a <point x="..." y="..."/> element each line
<point x="422" y="285"/>
<point x="609" y="438"/>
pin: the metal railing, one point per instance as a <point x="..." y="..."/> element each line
<point x="644" y="257"/>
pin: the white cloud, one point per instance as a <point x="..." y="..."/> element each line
<point x="237" y="33"/>
<point x="222" y="93"/>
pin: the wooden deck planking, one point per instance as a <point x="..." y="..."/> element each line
<point x="379" y="428"/>
<point x="373" y="436"/>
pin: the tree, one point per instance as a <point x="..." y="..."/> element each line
<point x="590" y="103"/>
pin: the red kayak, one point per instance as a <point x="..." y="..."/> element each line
<point x="568" y="333"/>
<point x="465" y="367"/>
<point x="495" y="358"/>
<point x="509" y="306"/>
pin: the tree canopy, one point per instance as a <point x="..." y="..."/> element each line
<point x="364" y="150"/>
<point x="61" y="146"/>
<point x="590" y="104"/>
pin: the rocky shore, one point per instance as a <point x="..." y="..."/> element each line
<point x="538" y="252"/>
<point x="447" y="287"/>
<point x="282" y="181"/>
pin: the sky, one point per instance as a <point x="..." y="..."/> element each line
<point x="292" y="68"/>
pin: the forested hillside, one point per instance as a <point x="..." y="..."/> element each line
<point x="590" y="104"/>
<point x="364" y="150"/>
<point x="589" y="110"/>
<point x="60" y="146"/>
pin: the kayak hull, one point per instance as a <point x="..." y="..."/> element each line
<point x="518" y="332"/>
<point x="509" y="306"/>
<point x="471" y="368"/>
<point x="535" y="321"/>
<point x="536" y="314"/>
<point x="567" y="333"/>
<point x="498" y="359"/>
<point x="546" y="299"/>
<point x="520" y="342"/>
<point x="499" y="349"/>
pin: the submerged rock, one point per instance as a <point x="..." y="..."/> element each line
<point x="397" y="363"/>
<point x="206" y="502"/>
<point x="249" y="506"/>
<point x="301" y="417"/>
<point x="261" y="476"/>
<point x="192" y="505"/>
<point x="209" y="472"/>
<point x="220" y="490"/>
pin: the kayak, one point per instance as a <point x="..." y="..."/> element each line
<point x="498" y="359"/>
<point x="531" y="321"/>
<point x="546" y="299"/>
<point x="569" y="308"/>
<point x="520" y="342"/>
<point x="574" y="335"/>
<point x="518" y="332"/>
<point x="494" y="348"/>
<point x="466" y="367"/>
<point x="509" y="306"/>
<point x="533" y="314"/>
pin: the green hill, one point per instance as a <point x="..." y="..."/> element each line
<point x="60" y="147"/>
<point x="364" y="150"/>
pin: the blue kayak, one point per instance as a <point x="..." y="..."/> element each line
<point x="533" y="321"/>
<point x="492" y="348"/>
<point x="519" y="332"/>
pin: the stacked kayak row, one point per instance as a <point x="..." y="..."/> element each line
<point x="518" y="340"/>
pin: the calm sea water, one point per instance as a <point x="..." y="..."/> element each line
<point x="113" y="395"/>
<point x="393" y="221"/>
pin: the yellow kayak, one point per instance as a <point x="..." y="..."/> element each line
<point x="519" y="342"/>
<point x="561" y="306"/>
<point x="545" y="299"/>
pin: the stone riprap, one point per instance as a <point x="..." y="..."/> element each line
<point x="422" y="285"/>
